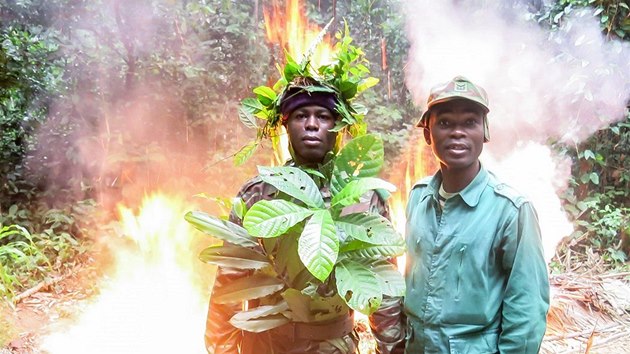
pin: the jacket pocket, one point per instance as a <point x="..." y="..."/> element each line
<point x="476" y="343"/>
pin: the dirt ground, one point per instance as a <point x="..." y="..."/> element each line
<point x="588" y="314"/>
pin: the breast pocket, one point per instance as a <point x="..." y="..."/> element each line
<point x="466" y="298"/>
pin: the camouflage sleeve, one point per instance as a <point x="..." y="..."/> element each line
<point x="220" y="336"/>
<point x="387" y="323"/>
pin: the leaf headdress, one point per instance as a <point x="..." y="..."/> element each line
<point x="346" y="77"/>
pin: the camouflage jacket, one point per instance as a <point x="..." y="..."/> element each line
<point x="221" y="337"/>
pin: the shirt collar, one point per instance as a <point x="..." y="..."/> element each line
<point x="470" y="195"/>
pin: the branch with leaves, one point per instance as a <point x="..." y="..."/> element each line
<point x="310" y="257"/>
<point x="346" y="77"/>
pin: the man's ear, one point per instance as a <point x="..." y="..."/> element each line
<point x="427" y="135"/>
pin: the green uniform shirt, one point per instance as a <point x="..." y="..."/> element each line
<point x="476" y="276"/>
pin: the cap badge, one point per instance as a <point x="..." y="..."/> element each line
<point x="461" y="87"/>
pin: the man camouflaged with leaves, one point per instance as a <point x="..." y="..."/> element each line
<point x="476" y="275"/>
<point x="324" y="244"/>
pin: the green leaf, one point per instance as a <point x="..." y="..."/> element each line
<point x="392" y="281"/>
<point x="588" y="154"/>
<point x="266" y="95"/>
<point x="272" y="218"/>
<point x="245" y="153"/>
<point x="261" y="318"/>
<point x="247" y="288"/>
<point x="360" y="249"/>
<point x="239" y="208"/>
<point x="299" y="304"/>
<point x="361" y="157"/>
<point x="318" y="245"/>
<point x="261" y="324"/>
<point x="234" y="257"/>
<point x="293" y="182"/>
<point x="221" y="229"/>
<point x="247" y="119"/>
<point x="352" y="192"/>
<point x="291" y="70"/>
<point x="358" y="286"/>
<point x="367" y="83"/>
<point x="348" y="89"/>
<point x="594" y="177"/>
<point x="251" y="105"/>
<point x="370" y="228"/>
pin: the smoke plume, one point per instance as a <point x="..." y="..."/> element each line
<point x="543" y="86"/>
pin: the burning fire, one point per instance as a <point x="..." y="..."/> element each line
<point x="151" y="303"/>
<point x="292" y="31"/>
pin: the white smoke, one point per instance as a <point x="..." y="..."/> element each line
<point x="543" y="86"/>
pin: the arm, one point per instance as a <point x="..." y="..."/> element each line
<point x="526" y="299"/>
<point x="221" y="337"/>
<point x="387" y="323"/>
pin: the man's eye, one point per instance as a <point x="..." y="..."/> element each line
<point x="443" y="123"/>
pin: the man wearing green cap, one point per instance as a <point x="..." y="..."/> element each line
<point x="476" y="276"/>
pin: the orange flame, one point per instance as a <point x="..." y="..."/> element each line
<point x="292" y="31"/>
<point x="151" y="303"/>
<point x="416" y="162"/>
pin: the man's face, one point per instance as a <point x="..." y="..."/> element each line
<point x="455" y="133"/>
<point x="308" y="128"/>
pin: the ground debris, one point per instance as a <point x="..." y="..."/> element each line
<point x="589" y="314"/>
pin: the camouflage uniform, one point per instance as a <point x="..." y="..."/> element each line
<point x="221" y="337"/>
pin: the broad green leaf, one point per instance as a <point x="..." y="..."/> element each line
<point x="261" y="324"/>
<point x="234" y="257"/>
<point x="361" y="157"/>
<point x="271" y="218"/>
<point x="239" y="208"/>
<point x="319" y="89"/>
<point x="367" y="83"/>
<point x="287" y="261"/>
<point x="370" y="228"/>
<point x="247" y="288"/>
<point x="221" y="229"/>
<point x="291" y="70"/>
<point x="299" y="304"/>
<point x="261" y="318"/>
<point x="245" y="153"/>
<point x="348" y="89"/>
<point x="293" y="182"/>
<point x="318" y="245"/>
<point x="358" y="286"/>
<point x="247" y="119"/>
<point x="265" y="95"/>
<point x="252" y="105"/>
<point x="327" y="308"/>
<point x="352" y="192"/>
<point x="392" y="281"/>
<point x="360" y="249"/>
<point x="588" y="154"/>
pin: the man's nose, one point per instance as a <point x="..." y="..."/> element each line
<point x="311" y="122"/>
<point x="458" y="130"/>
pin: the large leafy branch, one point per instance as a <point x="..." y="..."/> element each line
<point x="340" y="250"/>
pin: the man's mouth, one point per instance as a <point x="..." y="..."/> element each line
<point x="311" y="139"/>
<point x="456" y="147"/>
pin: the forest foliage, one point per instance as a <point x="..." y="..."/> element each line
<point x="75" y="75"/>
